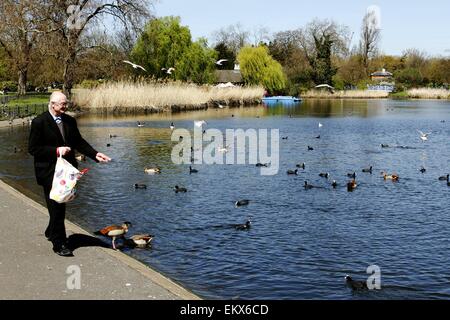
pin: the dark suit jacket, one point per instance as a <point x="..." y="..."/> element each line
<point x="45" y="137"/>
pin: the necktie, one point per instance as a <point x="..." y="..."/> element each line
<point x="59" y="123"/>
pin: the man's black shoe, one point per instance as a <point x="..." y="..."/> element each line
<point x="63" y="251"/>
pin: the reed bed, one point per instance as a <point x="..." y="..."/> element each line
<point x="428" y="93"/>
<point x="128" y="96"/>
<point x="350" y="94"/>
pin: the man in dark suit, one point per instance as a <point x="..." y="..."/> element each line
<point x="52" y="134"/>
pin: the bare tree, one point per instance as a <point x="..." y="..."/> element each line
<point x="72" y="18"/>
<point x="18" y="34"/>
<point x="234" y="37"/>
<point x="370" y="38"/>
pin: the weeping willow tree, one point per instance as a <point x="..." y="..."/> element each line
<point x="259" y="68"/>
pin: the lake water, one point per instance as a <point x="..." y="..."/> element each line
<point x="302" y="242"/>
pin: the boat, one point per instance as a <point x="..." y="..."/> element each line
<point x="281" y="99"/>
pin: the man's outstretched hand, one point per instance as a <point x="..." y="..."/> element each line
<point x="102" y="157"/>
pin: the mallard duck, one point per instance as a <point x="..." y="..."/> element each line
<point x="114" y="231"/>
<point x="241" y="203"/>
<point x="292" y="172"/>
<point x="355" y="285"/>
<point x="140" y="240"/>
<point x="179" y="189"/>
<point x="444" y="178"/>
<point x="140" y="186"/>
<point x="393" y="177"/>
<point x="81" y="158"/>
<point x="152" y="170"/>
<point x="301" y="166"/>
<point x="351" y="185"/>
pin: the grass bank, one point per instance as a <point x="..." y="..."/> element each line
<point x="155" y="97"/>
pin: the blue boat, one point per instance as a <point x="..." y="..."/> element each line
<point x="281" y="99"/>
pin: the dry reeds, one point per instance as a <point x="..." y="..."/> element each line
<point x="428" y="93"/>
<point x="126" y="96"/>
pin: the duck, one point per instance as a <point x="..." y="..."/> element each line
<point x="179" y="189"/>
<point x="352" y="175"/>
<point x="112" y="136"/>
<point x="191" y="170"/>
<point x="301" y="165"/>
<point x="140" y="240"/>
<point x="114" y="231"/>
<point x="368" y="170"/>
<point x="140" y="186"/>
<point x="172" y="126"/>
<point x="245" y="226"/>
<point x="423" y="170"/>
<point x="152" y="170"/>
<point x="355" y="285"/>
<point x="351" y="185"/>
<point x="334" y="184"/>
<point x="241" y="203"/>
<point x="139" y="124"/>
<point x="81" y="158"/>
<point x="393" y="177"/>
<point x="292" y="172"/>
<point x="108" y="145"/>
<point x="444" y="178"/>
<point x="262" y="165"/>
<point x="284" y="138"/>
<point x="318" y="137"/>
<point x="324" y="175"/>
<point x="384" y="145"/>
<point x="308" y="186"/>
<point x="310" y="148"/>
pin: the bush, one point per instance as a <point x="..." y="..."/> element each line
<point x="8" y="86"/>
<point x="90" y="84"/>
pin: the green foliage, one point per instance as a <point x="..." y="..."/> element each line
<point x="321" y="63"/>
<point x="259" y="68"/>
<point x="410" y="77"/>
<point x="223" y="52"/>
<point x="90" y="84"/>
<point x="166" y="44"/>
<point x="10" y="86"/>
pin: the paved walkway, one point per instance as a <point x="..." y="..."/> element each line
<point x="30" y="270"/>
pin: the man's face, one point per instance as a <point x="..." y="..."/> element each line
<point x="59" y="105"/>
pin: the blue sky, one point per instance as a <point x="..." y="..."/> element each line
<point x="405" y="24"/>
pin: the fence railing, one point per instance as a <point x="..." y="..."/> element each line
<point x="21" y="111"/>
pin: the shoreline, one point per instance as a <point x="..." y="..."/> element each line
<point x="26" y="250"/>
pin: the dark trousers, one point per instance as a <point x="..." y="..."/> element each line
<point x="56" y="230"/>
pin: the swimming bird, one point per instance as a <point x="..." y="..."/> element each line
<point x="191" y="170"/>
<point x="152" y="170"/>
<point x="310" y="148"/>
<point x="292" y="172"/>
<point x="262" y="165"/>
<point x="114" y="231"/>
<point x="384" y="145"/>
<point x="308" y="186"/>
<point x="424" y="136"/>
<point x="245" y="226"/>
<point x="393" y="177"/>
<point x="219" y="62"/>
<point x="351" y="185"/>
<point x="140" y="240"/>
<point x="241" y="203"/>
<point x="139" y="124"/>
<point x="301" y="165"/>
<point x="200" y="123"/>
<point x="368" y="170"/>
<point x="318" y="137"/>
<point x="284" y="138"/>
<point x="352" y="175"/>
<point x="172" y="126"/>
<point x="324" y="175"/>
<point x="320" y="125"/>
<point x="355" y="285"/>
<point x="135" y="66"/>
<point x="179" y="189"/>
<point x="423" y="170"/>
<point x="108" y="145"/>
<point x="140" y="186"/>
<point x="334" y="184"/>
<point x="444" y="178"/>
<point x="112" y="136"/>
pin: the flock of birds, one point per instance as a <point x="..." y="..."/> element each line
<point x="144" y="240"/>
<point x="166" y="70"/>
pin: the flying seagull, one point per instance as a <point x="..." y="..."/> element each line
<point x="219" y="62"/>
<point x="168" y="71"/>
<point x="424" y="136"/>
<point x="134" y="65"/>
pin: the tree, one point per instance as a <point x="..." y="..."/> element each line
<point x="370" y="38"/>
<point x="165" y="44"/>
<point x="223" y="52"/>
<point x="71" y="19"/>
<point x="234" y="37"/>
<point x="18" y="34"/>
<point x="259" y="68"/>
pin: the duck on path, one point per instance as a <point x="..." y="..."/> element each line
<point x="114" y="231"/>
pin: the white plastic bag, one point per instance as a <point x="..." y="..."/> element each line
<point x="64" y="181"/>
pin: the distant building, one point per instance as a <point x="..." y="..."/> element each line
<point x="382" y="75"/>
